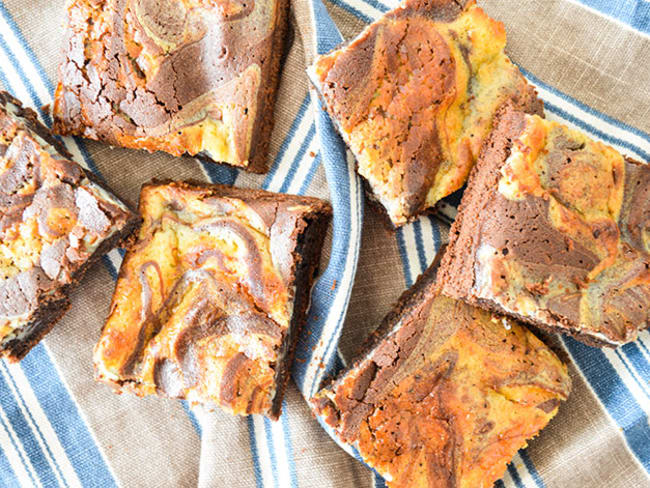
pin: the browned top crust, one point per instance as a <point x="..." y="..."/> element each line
<point x="447" y="396"/>
<point x="555" y="229"/>
<point x="414" y="96"/>
<point x="53" y="219"/>
<point x="204" y="305"/>
<point x="193" y="77"/>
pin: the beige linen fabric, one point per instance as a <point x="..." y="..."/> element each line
<point x="151" y="442"/>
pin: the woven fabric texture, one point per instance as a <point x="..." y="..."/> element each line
<point x="590" y="61"/>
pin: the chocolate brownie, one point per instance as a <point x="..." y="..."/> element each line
<point x="446" y="395"/>
<point x="194" y="77"/>
<point x="554" y="228"/>
<point x="212" y="295"/>
<point x="55" y="221"/>
<point x="414" y="96"/>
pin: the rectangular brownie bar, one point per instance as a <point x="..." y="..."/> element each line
<point x="414" y="96"/>
<point x="554" y="228"/>
<point x="194" y="78"/>
<point x="212" y="295"/>
<point x="446" y="394"/>
<point x="55" y="221"/>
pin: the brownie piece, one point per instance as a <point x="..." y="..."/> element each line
<point x="414" y="96"/>
<point x="447" y="393"/>
<point x="55" y="221"/>
<point x="212" y="295"/>
<point x="554" y="228"/>
<point x="192" y="77"/>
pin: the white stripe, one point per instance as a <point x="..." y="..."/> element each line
<point x="644" y="340"/>
<point x="412" y="260"/>
<point x="624" y="375"/>
<point x="81" y="414"/>
<point x="525" y="475"/>
<point x="612" y="422"/>
<point x="428" y="240"/>
<point x="289" y="155"/>
<point x="262" y="446"/>
<point x="304" y="166"/>
<point x="366" y="9"/>
<point x="14" y="455"/>
<point x="595" y="121"/>
<point x="280" y="449"/>
<point x="508" y="482"/>
<point x="60" y="458"/>
<point x="15" y="84"/>
<point x="314" y="372"/>
<point x="31" y="73"/>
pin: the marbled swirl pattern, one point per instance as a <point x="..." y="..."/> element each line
<point x="448" y="396"/>
<point x="414" y="96"/>
<point x="583" y="260"/>
<point x="205" y="299"/>
<point x="53" y="218"/>
<point x="190" y="77"/>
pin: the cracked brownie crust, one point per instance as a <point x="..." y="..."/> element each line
<point x="447" y="396"/>
<point x="212" y="294"/>
<point x="55" y="221"/>
<point x="414" y="96"/>
<point x="554" y="228"/>
<point x="195" y="77"/>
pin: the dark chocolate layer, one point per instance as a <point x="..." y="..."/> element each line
<point x="414" y="96"/>
<point x="191" y="77"/>
<point x="555" y="229"/>
<point x="212" y="295"/>
<point x="447" y="393"/>
<point x="54" y="221"/>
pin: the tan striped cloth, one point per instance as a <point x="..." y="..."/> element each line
<point x="100" y="439"/>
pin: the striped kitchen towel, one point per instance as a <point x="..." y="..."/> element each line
<point x="590" y="60"/>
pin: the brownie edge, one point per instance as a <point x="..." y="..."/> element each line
<point x="551" y="231"/>
<point x="445" y="394"/>
<point x="56" y="220"/>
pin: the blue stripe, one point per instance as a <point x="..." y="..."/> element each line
<point x="271" y="450"/>
<point x="193" y="420"/>
<point x="254" y="452"/>
<point x="7" y="474"/>
<point x="635" y="13"/>
<point x="586" y="108"/>
<point x="515" y="476"/>
<point x="615" y="396"/>
<point x="399" y="235"/>
<point x="13" y="442"/>
<point x="642" y="344"/>
<point x="632" y="373"/>
<point x="633" y="353"/>
<point x="499" y="484"/>
<point x="597" y="132"/>
<point x="297" y="160"/>
<point x="285" y="143"/>
<point x="22" y="401"/>
<point x="419" y="245"/>
<point x="63" y="414"/>
<point x="310" y="176"/>
<point x="20" y="72"/>
<point x="26" y="436"/>
<point x="220" y="173"/>
<point x="379" y="481"/>
<point x="530" y="466"/>
<point x="288" y="445"/>
<point x="328" y="36"/>
<point x="336" y="169"/>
